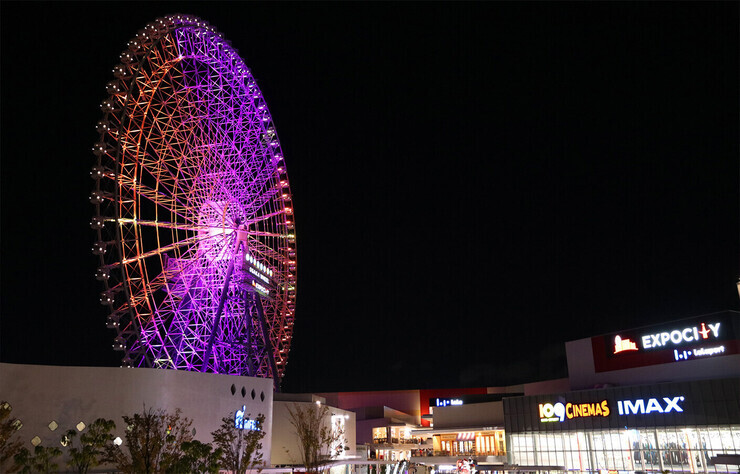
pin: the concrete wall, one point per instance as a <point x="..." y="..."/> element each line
<point x="406" y="401"/>
<point x="365" y="429"/>
<point x="505" y="389"/>
<point x="475" y="415"/>
<point x="285" y="448"/>
<point x="375" y="417"/>
<point x="68" y="395"/>
<point x="547" y="386"/>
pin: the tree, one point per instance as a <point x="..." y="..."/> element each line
<point x="9" y="444"/>
<point x="41" y="461"/>
<point x="317" y="439"/>
<point x="197" y="458"/>
<point x="92" y="447"/>
<point x="240" y="442"/>
<point x="153" y="439"/>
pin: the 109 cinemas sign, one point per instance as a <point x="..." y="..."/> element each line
<point x="562" y="411"/>
<point x="680" y="404"/>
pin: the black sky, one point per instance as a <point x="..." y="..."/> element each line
<point x="474" y="183"/>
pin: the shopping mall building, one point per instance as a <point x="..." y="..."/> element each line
<point x="663" y="397"/>
<point x="657" y="398"/>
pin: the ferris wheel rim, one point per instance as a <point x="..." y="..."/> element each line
<point x="124" y="223"/>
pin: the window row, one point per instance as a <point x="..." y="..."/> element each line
<point x="661" y="449"/>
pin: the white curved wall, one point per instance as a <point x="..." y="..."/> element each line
<point x="68" y="395"/>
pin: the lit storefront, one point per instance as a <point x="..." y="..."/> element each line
<point x="467" y="434"/>
<point x="470" y="443"/>
<point x="681" y="427"/>
<point x="393" y="443"/>
<point x="461" y="450"/>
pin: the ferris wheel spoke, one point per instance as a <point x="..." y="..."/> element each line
<point x="259" y="233"/>
<point x="269" y="254"/>
<point x="265" y="217"/>
<point x="263" y="197"/>
<point x="162" y="250"/>
<point x="177" y="225"/>
<point x="169" y="203"/>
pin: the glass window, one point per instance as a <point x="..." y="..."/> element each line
<point x="688" y="449"/>
<point x="379" y="435"/>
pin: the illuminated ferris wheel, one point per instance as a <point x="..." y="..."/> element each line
<point x="193" y="209"/>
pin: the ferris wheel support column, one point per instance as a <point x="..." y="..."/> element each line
<point x="250" y="349"/>
<point x="217" y="318"/>
<point x="268" y="345"/>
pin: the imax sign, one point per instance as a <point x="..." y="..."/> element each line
<point x="651" y="405"/>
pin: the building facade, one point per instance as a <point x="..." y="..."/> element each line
<point x="285" y="443"/>
<point x="657" y="398"/>
<point x="681" y="427"/>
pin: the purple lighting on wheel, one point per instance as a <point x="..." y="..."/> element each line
<point x="193" y="210"/>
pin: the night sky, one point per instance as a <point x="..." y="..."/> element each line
<point x="474" y="183"/>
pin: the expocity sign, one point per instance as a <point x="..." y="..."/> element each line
<point x="562" y="411"/>
<point x="675" y="337"/>
<point x="686" y="340"/>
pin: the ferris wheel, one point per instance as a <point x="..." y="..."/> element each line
<point x="193" y="210"/>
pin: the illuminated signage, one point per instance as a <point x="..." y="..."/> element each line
<point x="677" y="404"/>
<point x="259" y="274"/>
<point x="680" y="336"/>
<point x="621" y="345"/>
<point x="701" y="337"/>
<point x="443" y="402"/>
<point x="652" y="405"/>
<point x="701" y="352"/>
<point x="242" y="423"/>
<point x="261" y="289"/>
<point x="560" y="411"/>
<point x="254" y="263"/>
<point x="665" y="339"/>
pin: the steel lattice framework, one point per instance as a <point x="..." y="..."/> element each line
<point x="194" y="215"/>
